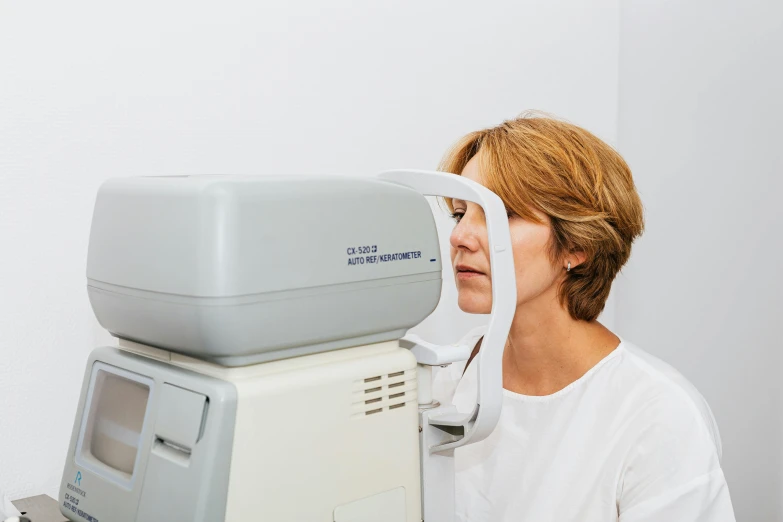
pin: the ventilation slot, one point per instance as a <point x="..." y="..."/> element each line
<point x="383" y="393"/>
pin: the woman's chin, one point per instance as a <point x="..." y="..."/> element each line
<point x="471" y="305"/>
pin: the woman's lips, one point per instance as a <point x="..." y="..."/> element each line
<point x="467" y="275"/>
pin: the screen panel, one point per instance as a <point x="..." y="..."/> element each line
<point x="113" y="423"/>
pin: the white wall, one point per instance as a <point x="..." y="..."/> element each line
<point x="91" y="90"/>
<point x="701" y="106"/>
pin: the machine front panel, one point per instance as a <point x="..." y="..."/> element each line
<point x="150" y="439"/>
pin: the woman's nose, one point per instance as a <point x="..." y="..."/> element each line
<point x="468" y="231"/>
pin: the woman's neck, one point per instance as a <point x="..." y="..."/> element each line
<point x="548" y="349"/>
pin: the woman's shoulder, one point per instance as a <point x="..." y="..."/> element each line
<point x="664" y="395"/>
<point x="672" y="447"/>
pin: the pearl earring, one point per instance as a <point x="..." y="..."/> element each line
<point x="569" y="267"/>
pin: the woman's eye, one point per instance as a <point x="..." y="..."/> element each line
<point x="458" y="215"/>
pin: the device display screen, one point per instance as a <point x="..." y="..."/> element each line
<point x="113" y="423"/>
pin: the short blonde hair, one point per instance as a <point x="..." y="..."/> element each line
<point x="580" y="182"/>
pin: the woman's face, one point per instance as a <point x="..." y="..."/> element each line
<point x="536" y="275"/>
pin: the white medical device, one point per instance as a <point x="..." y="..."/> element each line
<point x="262" y="371"/>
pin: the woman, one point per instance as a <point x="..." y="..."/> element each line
<point x="592" y="429"/>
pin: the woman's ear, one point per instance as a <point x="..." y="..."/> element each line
<point x="575" y="256"/>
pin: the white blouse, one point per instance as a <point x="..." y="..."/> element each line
<point x="630" y="441"/>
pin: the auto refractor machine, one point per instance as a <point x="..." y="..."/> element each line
<point x="263" y="372"/>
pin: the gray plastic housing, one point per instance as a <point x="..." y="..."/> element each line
<point x="240" y="270"/>
<point x="182" y="454"/>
